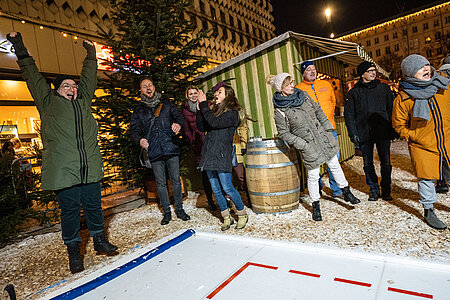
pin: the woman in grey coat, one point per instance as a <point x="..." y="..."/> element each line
<point x="301" y="123"/>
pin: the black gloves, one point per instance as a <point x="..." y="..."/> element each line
<point x="19" y="47"/>
<point x="394" y="135"/>
<point x="355" y="141"/>
<point x="90" y="49"/>
<point x="243" y="151"/>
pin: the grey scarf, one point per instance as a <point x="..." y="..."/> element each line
<point x="422" y="90"/>
<point x="192" y="106"/>
<point x="151" y="102"/>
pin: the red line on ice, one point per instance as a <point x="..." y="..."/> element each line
<point x="226" y="282"/>
<point x="304" y="273"/>
<point x="353" y="282"/>
<point x="410" y="293"/>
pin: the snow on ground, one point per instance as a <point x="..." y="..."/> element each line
<point x="395" y="227"/>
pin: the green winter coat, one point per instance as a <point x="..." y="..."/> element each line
<point x="71" y="154"/>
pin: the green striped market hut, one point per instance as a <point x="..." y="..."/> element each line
<point x="247" y="75"/>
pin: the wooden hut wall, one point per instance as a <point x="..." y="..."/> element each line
<point x="250" y="80"/>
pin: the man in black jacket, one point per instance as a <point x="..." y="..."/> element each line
<point x="368" y="116"/>
<point x="153" y="124"/>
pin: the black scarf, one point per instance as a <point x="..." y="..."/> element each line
<point x="294" y="100"/>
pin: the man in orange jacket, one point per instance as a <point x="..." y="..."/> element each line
<point x="321" y="92"/>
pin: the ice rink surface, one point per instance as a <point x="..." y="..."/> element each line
<point x="199" y="265"/>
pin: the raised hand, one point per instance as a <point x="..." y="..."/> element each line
<point x="19" y="48"/>
<point x="90" y="49"/>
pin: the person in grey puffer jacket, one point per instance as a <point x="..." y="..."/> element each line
<point x="71" y="160"/>
<point x="301" y="123"/>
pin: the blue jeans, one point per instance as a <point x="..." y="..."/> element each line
<point x="223" y="179"/>
<point x="173" y="167"/>
<point x="333" y="185"/>
<point x="71" y="200"/>
<point x="383" y="148"/>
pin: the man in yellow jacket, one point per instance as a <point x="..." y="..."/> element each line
<point x="420" y="116"/>
<point x="322" y="93"/>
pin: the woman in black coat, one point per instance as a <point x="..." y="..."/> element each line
<point x="220" y="122"/>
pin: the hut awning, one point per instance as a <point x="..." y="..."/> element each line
<point x="354" y="56"/>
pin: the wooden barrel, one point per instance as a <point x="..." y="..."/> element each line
<point x="273" y="180"/>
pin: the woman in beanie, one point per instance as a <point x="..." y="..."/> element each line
<point x="301" y="123"/>
<point x="420" y="115"/>
<point x="220" y="122"/>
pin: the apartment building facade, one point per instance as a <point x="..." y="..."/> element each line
<point x="424" y="31"/>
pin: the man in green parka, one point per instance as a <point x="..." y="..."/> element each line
<point x="71" y="160"/>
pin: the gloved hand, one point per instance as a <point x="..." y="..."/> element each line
<point x="19" y="48"/>
<point x="355" y="141"/>
<point x="243" y="151"/>
<point x="394" y="135"/>
<point x="90" y="49"/>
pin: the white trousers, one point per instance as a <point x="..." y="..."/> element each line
<point x="314" y="174"/>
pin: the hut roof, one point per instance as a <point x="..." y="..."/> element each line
<point x="355" y="53"/>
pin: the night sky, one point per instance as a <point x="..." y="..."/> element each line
<point x="308" y="16"/>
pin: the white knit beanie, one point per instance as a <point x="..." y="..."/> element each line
<point x="277" y="81"/>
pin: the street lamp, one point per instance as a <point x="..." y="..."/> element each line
<point x="328" y="15"/>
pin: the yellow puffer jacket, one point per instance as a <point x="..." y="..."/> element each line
<point x="428" y="141"/>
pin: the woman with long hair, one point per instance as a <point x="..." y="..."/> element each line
<point x="302" y="124"/>
<point x="220" y="122"/>
<point x="196" y="137"/>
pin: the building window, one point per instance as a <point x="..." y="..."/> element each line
<point x="405" y="32"/>
<point x="388" y="50"/>
<point x="231" y="21"/>
<point x="447" y="19"/>
<point x="224" y="34"/>
<point x="394" y="35"/>
<point x="376" y="40"/>
<point x="425" y="26"/>
<point x="429" y="52"/>
<point x="213" y="12"/>
<point x="414" y="29"/>
<point x="204" y="24"/>
<point x="370" y="53"/>
<point x="233" y="37"/>
<point x="368" y="43"/>
<point x="436" y="23"/>
<point x="437" y="36"/>
<point x="378" y="52"/>
<point x="202" y="7"/>
<point x="386" y="37"/>
<point x="439" y="51"/>
<point x="396" y="48"/>
<point x="222" y="16"/>
<point x="239" y="24"/>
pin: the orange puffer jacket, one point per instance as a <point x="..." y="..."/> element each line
<point x="322" y="93"/>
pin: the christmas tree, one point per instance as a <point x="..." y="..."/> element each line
<point x="150" y="38"/>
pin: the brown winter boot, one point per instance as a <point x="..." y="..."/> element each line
<point x="227" y="220"/>
<point x="242" y="218"/>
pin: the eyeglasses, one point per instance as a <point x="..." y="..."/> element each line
<point x="371" y="70"/>
<point x="67" y="86"/>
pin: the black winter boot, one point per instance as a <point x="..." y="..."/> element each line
<point x="316" y="211"/>
<point x="102" y="245"/>
<point x="433" y="220"/>
<point x="441" y="187"/>
<point x="349" y="197"/>
<point x="212" y="205"/>
<point x="374" y="195"/>
<point x="181" y="214"/>
<point x="166" y="219"/>
<point x="75" y="262"/>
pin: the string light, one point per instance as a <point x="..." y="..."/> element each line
<point x="23" y="22"/>
<point x="41" y="27"/>
<point x="75" y="38"/>
<point x="385" y="24"/>
<point x="65" y="34"/>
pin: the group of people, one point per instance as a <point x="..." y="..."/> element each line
<point x="373" y="116"/>
<point x="216" y="130"/>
